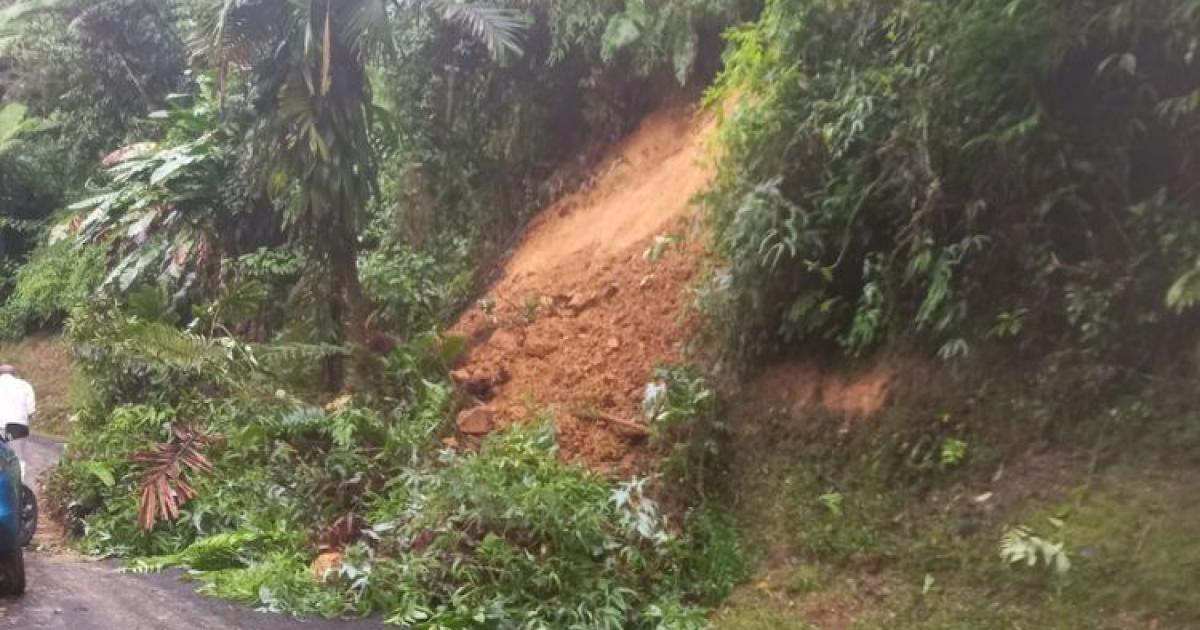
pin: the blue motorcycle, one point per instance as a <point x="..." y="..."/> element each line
<point x="18" y="515"/>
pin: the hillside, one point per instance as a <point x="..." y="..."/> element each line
<point x="595" y="296"/>
<point x="621" y="315"/>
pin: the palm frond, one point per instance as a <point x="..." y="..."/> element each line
<point x="366" y="27"/>
<point x="164" y="485"/>
<point x="247" y="30"/>
<point x="499" y="29"/>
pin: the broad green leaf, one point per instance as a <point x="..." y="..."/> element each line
<point x="11" y="116"/>
<point x="170" y="167"/>
<point x="101" y="471"/>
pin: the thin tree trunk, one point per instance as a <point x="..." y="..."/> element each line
<point x="354" y="302"/>
<point x="351" y="310"/>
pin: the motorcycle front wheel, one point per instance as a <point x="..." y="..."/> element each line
<point x="12" y="573"/>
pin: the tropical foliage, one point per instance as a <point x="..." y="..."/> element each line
<point x="254" y="219"/>
<point x="95" y="69"/>
<point x="26" y="195"/>
<point x="953" y="171"/>
<point x="311" y="195"/>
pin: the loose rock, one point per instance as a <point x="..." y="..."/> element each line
<point x="579" y="301"/>
<point x="476" y="421"/>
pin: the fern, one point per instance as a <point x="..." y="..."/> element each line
<point x="1019" y="545"/>
<point x="220" y="551"/>
<point x="170" y="346"/>
<point x="1185" y="291"/>
<point x="296" y="352"/>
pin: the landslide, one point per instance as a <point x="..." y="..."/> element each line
<point x="594" y="297"/>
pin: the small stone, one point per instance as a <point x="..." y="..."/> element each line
<point x="507" y="340"/>
<point x="613" y="343"/>
<point x="476" y="421"/>
<point x="581" y="301"/>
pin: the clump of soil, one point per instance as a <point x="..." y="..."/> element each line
<point x="806" y="384"/>
<point x="594" y="298"/>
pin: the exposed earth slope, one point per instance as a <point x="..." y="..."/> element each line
<point x="594" y="297"/>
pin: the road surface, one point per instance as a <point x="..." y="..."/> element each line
<point x="69" y="593"/>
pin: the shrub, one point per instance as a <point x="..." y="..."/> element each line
<point x="44" y="291"/>
<point x="28" y="195"/>
<point x="912" y="169"/>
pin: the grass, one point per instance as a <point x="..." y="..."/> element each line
<point x="1131" y="535"/>
<point x="46" y="363"/>
<point x="1137" y="537"/>
<point x="847" y="535"/>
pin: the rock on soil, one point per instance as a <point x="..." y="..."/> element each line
<point x="476" y="421"/>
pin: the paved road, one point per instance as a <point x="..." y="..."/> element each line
<point x="68" y="593"/>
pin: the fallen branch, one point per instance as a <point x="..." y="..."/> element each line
<point x="626" y="427"/>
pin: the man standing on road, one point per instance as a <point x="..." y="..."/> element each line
<point x="17" y="404"/>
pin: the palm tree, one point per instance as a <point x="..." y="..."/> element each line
<point x="307" y="61"/>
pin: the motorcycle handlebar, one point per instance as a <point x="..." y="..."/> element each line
<point x="15" y="431"/>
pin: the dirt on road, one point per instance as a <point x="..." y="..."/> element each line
<point x="71" y="593"/>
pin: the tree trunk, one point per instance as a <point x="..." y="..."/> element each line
<point x="355" y="309"/>
<point x="349" y="307"/>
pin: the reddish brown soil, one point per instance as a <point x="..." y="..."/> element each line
<point x="580" y="317"/>
<point x="806" y="384"/>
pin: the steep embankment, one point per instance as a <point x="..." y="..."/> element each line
<point x="594" y="297"/>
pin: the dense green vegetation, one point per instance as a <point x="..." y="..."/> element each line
<point x="253" y="220"/>
<point x="508" y="536"/>
<point x="959" y="172"/>
<point x="294" y="214"/>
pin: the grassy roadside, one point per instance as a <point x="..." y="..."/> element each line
<point x="897" y="521"/>
<point x="46" y="363"/>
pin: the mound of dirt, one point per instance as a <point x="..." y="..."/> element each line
<point x="594" y="298"/>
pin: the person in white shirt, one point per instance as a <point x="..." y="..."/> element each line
<point x="17" y="404"/>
